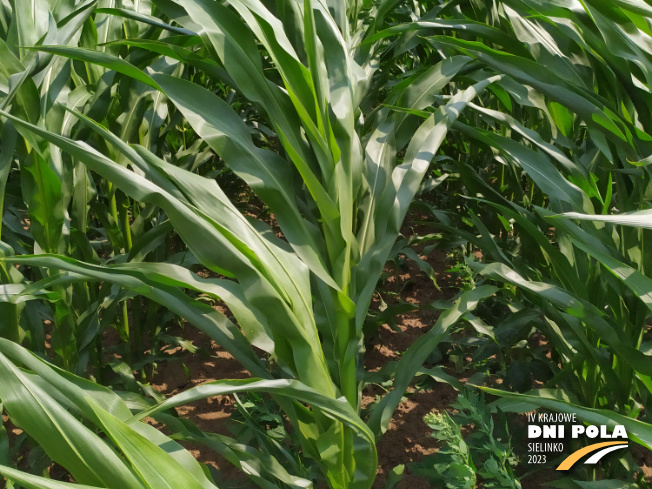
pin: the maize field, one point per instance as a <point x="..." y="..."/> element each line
<point x="380" y="244"/>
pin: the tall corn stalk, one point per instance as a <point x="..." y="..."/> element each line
<point x="50" y="202"/>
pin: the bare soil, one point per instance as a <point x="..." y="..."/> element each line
<point x="407" y="438"/>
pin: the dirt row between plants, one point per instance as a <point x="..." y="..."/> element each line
<point x="407" y="438"/>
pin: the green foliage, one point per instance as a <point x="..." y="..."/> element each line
<point x="453" y="465"/>
<point x="546" y="177"/>
<point x="147" y="112"/>
<point x="485" y="452"/>
<point x="133" y="455"/>
<point x="160" y="158"/>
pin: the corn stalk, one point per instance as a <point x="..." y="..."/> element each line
<point x="336" y="186"/>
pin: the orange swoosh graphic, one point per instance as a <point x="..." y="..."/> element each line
<point x="575" y="456"/>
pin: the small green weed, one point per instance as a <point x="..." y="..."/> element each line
<point x="453" y="465"/>
<point x="484" y="453"/>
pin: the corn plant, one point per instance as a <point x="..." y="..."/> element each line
<point x="338" y="186"/>
<point x="32" y="85"/>
<point x="133" y="454"/>
<point x="50" y="202"/>
<point x="555" y="178"/>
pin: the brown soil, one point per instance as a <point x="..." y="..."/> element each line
<point x="643" y="458"/>
<point x="210" y="415"/>
<point x="407" y="438"/>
